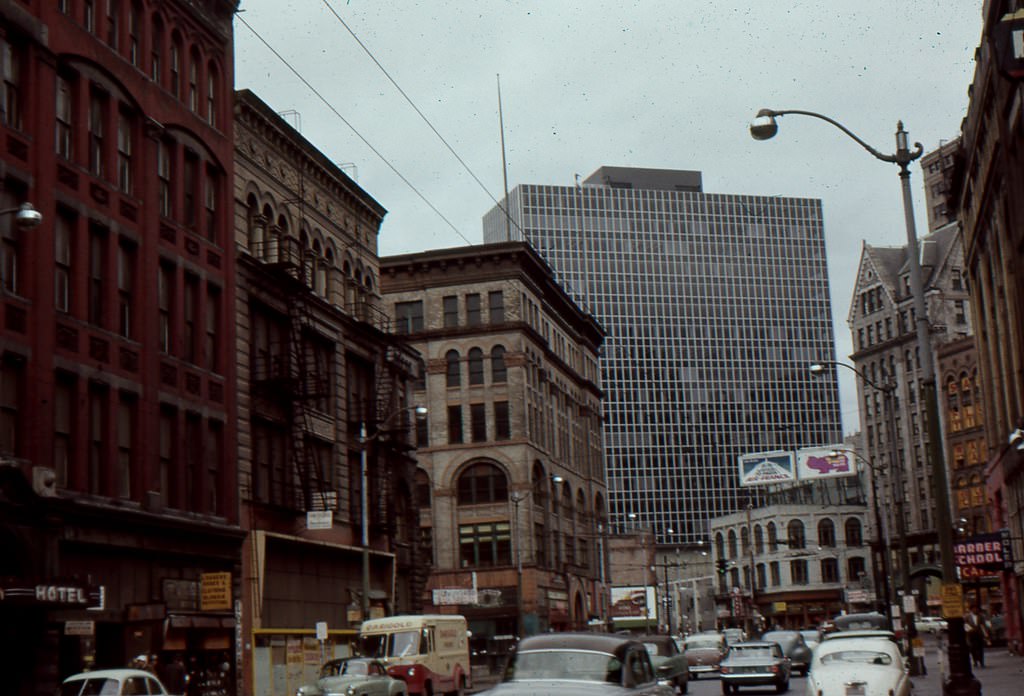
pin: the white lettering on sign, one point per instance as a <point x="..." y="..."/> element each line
<point x="57" y="593"/>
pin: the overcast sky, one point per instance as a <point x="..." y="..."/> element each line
<point x="644" y="83"/>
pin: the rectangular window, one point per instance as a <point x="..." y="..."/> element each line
<point x="193" y="458"/>
<point x="63" y="140"/>
<point x="960" y="311"/>
<point x="97" y="273"/>
<point x="214" y="456"/>
<point x="484" y="545"/>
<point x="165" y="294"/>
<point x="478" y="422"/>
<point x="454" y="425"/>
<point x="193" y="86"/>
<point x="211" y="348"/>
<point x="97" y="117"/>
<point x="829" y="570"/>
<point x="63" y="408"/>
<point x="190" y="181"/>
<point x="473" y="309"/>
<point x="773" y="568"/>
<point x="133" y="33"/>
<point x="957" y="279"/>
<point x="126" y="429"/>
<point x="409" y="316"/>
<point x="113" y="25"/>
<point x="156" y="53"/>
<point x="502" y="425"/>
<point x="124" y="152"/>
<point x="210" y="203"/>
<point x="161" y="482"/>
<point x="496" y="307"/>
<point x="125" y="286"/>
<point x="211" y="99"/>
<point x="422" y="432"/>
<point x="163" y="166"/>
<point x="10" y="108"/>
<point x="190" y="312"/>
<point x="798" y="572"/>
<point x="10" y="243"/>
<point x="451" y="310"/>
<point x="176" y="71"/>
<point x="12" y="379"/>
<point x="62" y="236"/>
<point x="90" y="16"/>
<point x="97" y="437"/>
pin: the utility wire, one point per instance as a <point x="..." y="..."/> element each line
<point x="422" y="115"/>
<point x="353" y="129"/>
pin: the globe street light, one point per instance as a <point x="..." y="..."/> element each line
<point x="364" y="516"/>
<point x="26" y="217"/>
<point x="960" y="680"/>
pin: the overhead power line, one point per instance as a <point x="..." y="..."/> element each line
<point x="352" y="128"/>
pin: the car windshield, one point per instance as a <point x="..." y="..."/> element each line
<point x="398" y="644"/>
<point x="658" y="649"/>
<point x="702" y="643"/>
<point x="92" y="687"/>
<point x="783" y="639"/>
<point x="344" y="667"/>
<point x="868" y="657"/>
<point x="750" y="651"/>
<point x="577" y="665"/>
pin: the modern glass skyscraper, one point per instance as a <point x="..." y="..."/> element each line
<point x="715" y="305"/>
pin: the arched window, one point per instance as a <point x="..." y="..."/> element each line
<point x="773" y="538"/>
<point x="476" y="366"/>
<point x="745" y="540"/>
<point x="194" y="61"/>
<point x="854" y="533"/>
<point x="732" y="544"/>
<point x="482" y="483"/>
<point x="719" y="545"/>
<point x="156" y="55"/>
<point x="498" y="371"/>
<point x="212" y="85"/>
<point x="176" y="60"/>
<point x="423" y="497"/>
<point x="795" y="532"/>
<point x="453" y="377"/>
<point x="826" y="533"/>
<point x="758" y="540"/>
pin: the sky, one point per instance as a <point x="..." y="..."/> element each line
<point x="668" y="84"/>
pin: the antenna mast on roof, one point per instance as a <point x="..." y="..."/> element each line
<point x="504" y="165"/>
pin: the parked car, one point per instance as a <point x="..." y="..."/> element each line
<point x="867" y="634"/>
<point x="113" y="682"/>
<point x="929" y="624"/>
<point x="869" y="620"/>
<point x="755" y="663"/>
<point x="354" y="675"/>
<point x="734" y="635"/>
<point x="794" y="647"/>
<point x="858" y="666"/>
<point x="556" y="664"/>
<point x="669" y="663"/>
<point x="704" y="651"/>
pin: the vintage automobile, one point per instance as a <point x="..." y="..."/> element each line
<point x="113" y="682"/>
<point x="794" y="647"/>
<point x="703" y="653"/>
<point x="734" y="635"/>
<point x="864" y="621"/>
<point x="556" y="664"/>
<point x="755" y="663"/>
<point x="812" y="636"/>
<point x="669" y="663"/>
<point x="858" y="666"/>
<point x="930" y="624"/>
<point x="354" y="675"/>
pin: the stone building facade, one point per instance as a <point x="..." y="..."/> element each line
<point x="510" y="482"/>
<point x="323" y="413"/>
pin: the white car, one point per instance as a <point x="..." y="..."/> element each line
<point x="930" y="624"/>
<point x="858" y="667"/>
<point x="112" y="682"/>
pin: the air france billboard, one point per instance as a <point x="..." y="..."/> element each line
<point x="767" y="468"/>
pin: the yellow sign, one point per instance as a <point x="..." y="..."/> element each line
<point x="215" y="591"/>
<point x="779" y="607"/>
<point x="952" y="600"/>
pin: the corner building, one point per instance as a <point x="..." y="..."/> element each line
<point x="511" y="480"/>
<point x="714" y="305"/>
<point x="118" y="487"/>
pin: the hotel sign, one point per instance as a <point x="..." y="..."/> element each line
<point x="57" y="594"/>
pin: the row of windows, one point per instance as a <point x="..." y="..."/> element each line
<point x="189" y="188"/>
<point x="796" y="538"/>
<point x="500" y="423"/>
<point x="96" y="447"/>
<point x="150" y="45"/>
<point x="475" y="363"/>
<point x="829" y="572"/>
<point x="409" y="317"/>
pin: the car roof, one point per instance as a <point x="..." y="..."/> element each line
<point x="754" y="644"/>
<point x="609" y="643"/>
<point x="844" y="635"/>
<point x="119" y="673"/>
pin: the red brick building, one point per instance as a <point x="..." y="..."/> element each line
<point x="119" y="525"/>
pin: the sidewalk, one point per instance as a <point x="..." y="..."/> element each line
<point x="1003" y="674"/>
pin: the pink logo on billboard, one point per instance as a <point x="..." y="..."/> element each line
<point x="833" y="464"/>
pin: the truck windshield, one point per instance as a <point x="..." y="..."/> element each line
<point x="384" y="645"/>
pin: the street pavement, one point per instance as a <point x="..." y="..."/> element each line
<point x="1002" y="675"/>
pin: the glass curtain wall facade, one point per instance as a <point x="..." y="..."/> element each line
<point x="715" y="305"/>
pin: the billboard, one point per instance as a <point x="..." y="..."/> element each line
<point x="635" y="601"/>
<point x="982" y="555"/>
<point x="814" y="463"/>
<point x="766" y="468"/>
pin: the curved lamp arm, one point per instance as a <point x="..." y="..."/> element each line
<point x="902" y="157"/>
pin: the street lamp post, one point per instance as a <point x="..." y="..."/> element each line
<point x="364" y="513"/>
<point x="960" y="680"/>
<point x="517" y="498"/>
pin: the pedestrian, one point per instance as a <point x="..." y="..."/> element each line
<point x="974" y="625"/>
<point x="174" y="675"/>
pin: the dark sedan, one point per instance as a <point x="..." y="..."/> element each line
<point x="794" y="647"/>
<point x="669" y="663"/>
<point x="755" y="663"/>
<point x="556" y="664"/>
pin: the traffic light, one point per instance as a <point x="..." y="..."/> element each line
<point x="722" y="565"/>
